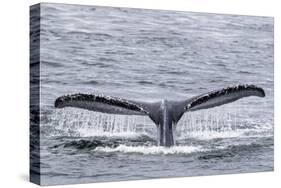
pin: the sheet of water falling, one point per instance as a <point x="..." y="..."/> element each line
<point x="220" y="122"/>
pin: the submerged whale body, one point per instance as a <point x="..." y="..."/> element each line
<point x="166" y="113"/>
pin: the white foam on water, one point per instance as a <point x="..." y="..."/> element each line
<point x="85" y="133"/>
<point x="152" y="149"/>
<point x="208" y="135"/>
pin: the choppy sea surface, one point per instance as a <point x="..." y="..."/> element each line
<point x="149" y="55"/>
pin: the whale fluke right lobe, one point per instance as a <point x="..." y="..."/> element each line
<point x="223" y="96"/>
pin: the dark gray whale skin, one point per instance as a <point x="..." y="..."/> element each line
<point x="165" y="114"/>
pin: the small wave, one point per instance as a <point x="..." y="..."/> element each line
<point x="91" y="82"/>
<point x="52" y="64"/>
<point x="144" y="82"/>
<point x="216" y="155"/>
<point x="245" y="72"/>
<point x="103" y="35"/>
<point x="103" y="59"/>
<point x="88" y="144"/>
<point x="104" y="140"/>
<point x="152" y="149"/>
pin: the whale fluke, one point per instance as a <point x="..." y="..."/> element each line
<point x="223" y="96"/>
<point x="100" y="103"/>
<point x="165" y="114"/>
<point x="110" y="105"/>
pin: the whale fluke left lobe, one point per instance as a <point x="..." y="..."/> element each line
<point x="100" y="103"/>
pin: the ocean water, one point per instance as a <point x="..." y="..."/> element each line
<point x="150" y="55"/>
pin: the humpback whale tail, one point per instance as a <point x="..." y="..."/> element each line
<point x="165" y="114"/>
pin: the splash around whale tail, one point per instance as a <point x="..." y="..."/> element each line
<point x="114" y="105"/>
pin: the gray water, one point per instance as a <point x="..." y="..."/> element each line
<point x="149" y="55"/>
